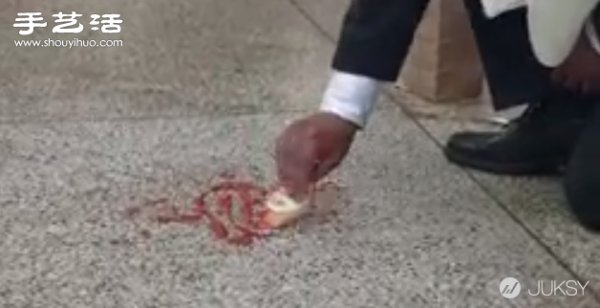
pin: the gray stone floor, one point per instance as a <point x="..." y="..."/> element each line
<point x="203" y="86"/>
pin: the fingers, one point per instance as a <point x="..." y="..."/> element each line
<point x="582" y="81"/>
<point x="296" y="163"/>
<point x="309" y="149"/>
<point x="569" y="81"/>
<point x="326" y="166"/>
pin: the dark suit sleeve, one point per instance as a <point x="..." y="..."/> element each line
<point x="376" y="36"/>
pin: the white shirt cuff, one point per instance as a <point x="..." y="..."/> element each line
<point x="494" y="8"/>
<point x="351" y="97"/>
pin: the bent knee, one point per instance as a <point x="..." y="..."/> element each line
<point x="583" y="196"/>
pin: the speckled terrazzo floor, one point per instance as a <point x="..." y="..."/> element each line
<point x="203" y="86"/>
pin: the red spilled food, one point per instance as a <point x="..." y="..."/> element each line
<point x="236" y="211"/>
<point x="231" y="208"/>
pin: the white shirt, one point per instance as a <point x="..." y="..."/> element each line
<point x="352" y="97"/>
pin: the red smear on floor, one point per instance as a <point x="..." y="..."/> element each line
<point x="231" y="208"/>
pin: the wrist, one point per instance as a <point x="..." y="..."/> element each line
<point x="350" y="125"/>
<point x="351" y="97"/>
<point x="352" y="117"/>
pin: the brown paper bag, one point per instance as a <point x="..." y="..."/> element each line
<point x="443" y="64"/>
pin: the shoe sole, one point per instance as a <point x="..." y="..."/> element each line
<point x="553" y="166"/>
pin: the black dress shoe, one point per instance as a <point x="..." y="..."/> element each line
<point x="539" y="142"/>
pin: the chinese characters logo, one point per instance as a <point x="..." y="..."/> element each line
<point x="67" y="23"/>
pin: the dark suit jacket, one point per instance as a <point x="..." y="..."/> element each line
<point x="376" y="36"/>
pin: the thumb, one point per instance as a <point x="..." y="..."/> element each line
<point x="324" y="168"/>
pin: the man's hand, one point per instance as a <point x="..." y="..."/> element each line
<point x="581" y="70"/>
<point x="312" y="147"/>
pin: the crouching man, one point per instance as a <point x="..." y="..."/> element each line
<point x="545" y="55"/>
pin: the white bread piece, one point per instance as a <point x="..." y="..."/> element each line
<point x="282" y="209"/>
